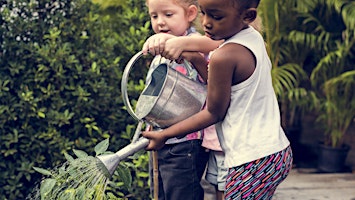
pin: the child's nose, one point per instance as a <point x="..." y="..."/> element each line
<point x="205" y="22"/>
<point x="161" y="21"/>
<point x="207" y="25"/>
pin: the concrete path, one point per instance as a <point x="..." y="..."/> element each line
<point x="306" y="184"/>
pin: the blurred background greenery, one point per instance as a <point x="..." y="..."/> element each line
<point x="61" y="64"/>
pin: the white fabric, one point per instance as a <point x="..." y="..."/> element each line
<point x="252" y="127"/>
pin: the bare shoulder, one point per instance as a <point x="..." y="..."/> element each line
<point x="233" y="52"/>
<point x="236" y="59"/>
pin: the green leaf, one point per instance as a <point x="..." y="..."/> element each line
<point x="80" y="153"/>
<point x="42" y="171"/>
<point x="125" y="175"/>
<point x="102" y="146"/>
<point x="46" y="187"/>
<point x="41" y="114"/>
<point x="68" y="157"/>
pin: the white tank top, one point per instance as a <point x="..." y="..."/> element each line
<point x="252" y="127"/>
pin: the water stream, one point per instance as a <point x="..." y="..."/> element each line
<point x="82" y="178"/>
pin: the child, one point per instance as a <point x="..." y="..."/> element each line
<point x="242" y="102"/>
<point x="182" y="161"/>
<point x="216" y="172"/>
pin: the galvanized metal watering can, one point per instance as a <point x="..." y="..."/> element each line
<point x="169" y="97"/>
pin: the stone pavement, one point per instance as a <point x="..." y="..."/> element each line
<point x="303" y="184"/>
<point x="307" y="184"/>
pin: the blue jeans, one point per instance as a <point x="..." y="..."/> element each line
<point x="180" y="168"/>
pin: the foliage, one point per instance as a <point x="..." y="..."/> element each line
<point x="329" y="30"/>
<point x="61" y="63"/>
<point x="138" y="187"/>
<point x="84" y="168"/>
<point x="285" y="55"/>
<point x="311" y="44"/>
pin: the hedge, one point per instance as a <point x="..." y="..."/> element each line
<point x="61" y="63"/>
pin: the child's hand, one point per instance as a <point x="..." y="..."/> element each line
<point x="155" y="44"/>
<point x="156" y="140"/>
<point x="173" y="48"/>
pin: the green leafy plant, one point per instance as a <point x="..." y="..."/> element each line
<point x="311" y="45"/>
<point x="61" y="64"/>
<point x="286" y="57"/>
<point x="330" y="31"/>
<point x="73" y="178"/>
<point x="71" y="173"/>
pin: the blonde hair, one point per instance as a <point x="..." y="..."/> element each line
<point x="185" y="5"/>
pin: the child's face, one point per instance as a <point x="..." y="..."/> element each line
<point x="168" y="17"/>
<point x="221" y="19"/>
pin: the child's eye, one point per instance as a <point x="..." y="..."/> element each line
<point x="216" y="17"/>
<point x="153" y="16"/>
<point x="169" y="14"/>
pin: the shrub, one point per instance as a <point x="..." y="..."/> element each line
<point x="61" y="64"/>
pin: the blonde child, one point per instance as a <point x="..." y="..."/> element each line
<point x="242" y="102"/>
<point x="182" y="161"/>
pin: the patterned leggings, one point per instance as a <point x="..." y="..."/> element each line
<point x="258" y="179"/>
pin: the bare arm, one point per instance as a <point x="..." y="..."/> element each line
<point x="155" y="44"/>
<point x="230" y="64"/>
<point x="187" y="47"/>
<point x="175" y="46"/>
<point x="199" y="62"/>
<point x="219" y="85"/>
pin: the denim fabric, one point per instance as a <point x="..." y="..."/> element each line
<point x="181" y="167"/>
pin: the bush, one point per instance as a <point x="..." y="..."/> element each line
<point x="61" y="67"/>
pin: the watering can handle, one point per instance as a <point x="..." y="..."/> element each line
<point x="138" y="131"/>
<point x="124" y="83"/>
<point x="190" y="70"/>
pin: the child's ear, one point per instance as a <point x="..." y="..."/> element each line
<point x="250" y="15"/>
<point x="192" y="13"/>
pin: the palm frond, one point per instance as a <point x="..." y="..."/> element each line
<point x="349" y="15"/>
<point x="329" y="66"/>
<point x="342" y="88"/>
<point x="339" y="106"/>
<point x="268" y="10"/>
<point x="287" y="77"/>
<point x="300" y="37"/>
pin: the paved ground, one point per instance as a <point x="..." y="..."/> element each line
<point x="307" y="184"/>
<point x="301" y="185"/>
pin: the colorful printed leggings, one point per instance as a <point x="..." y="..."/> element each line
<point x="258" y="179"/>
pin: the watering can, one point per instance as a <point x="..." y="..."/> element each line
<point x="169" y="97"/>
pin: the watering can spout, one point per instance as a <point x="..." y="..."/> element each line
<point x="108" y="163"/>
